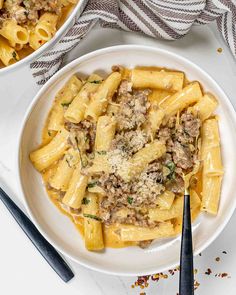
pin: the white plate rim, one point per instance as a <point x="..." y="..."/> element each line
<point x="62" y="72"/>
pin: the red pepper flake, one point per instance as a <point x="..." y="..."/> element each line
<point x="142" y="282"/>
<point x="217" y="259"/>
<point x="171" y="272"/>
<point x="223" y="275"/>
<point x="208" y="272"/>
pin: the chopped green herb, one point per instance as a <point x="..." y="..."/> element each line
<point x="92" y="217"/>
<point x="65" y="104"/>
<point x="85" y="201"/>
<point x="102" y="152"/>
<point x="67" y="161"/>
<point x="14" y="55"/>
<point x="96" y="82"/>
<point x="171" y="166"/>
<point x="92" y="184"/>
<point x="77" y="141"/>
<point x="130" y="200"/>
<point x="84" y="162"/>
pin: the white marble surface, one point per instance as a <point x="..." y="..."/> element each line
<point x="22" y="270"/>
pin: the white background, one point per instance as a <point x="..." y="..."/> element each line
<point x="22" y="269"/>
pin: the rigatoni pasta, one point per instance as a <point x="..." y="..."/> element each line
<point x="122" y="147"/>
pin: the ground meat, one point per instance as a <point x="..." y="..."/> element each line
<point x="125" y="88"/>
<point x="144" y="244"/>
<point x="133" y="110"/>
<point x="164" y="134"/>
<point x="142" y="191"/>
<point x="85" y="131"/>
<point x="176" y="184"/>
<point x="191" y="124"/>
<point x="189" y="128"/>
<point x="180" y="138"/>
<point x="130" y="142"/>
<point x="182" y="156"/>
<point x="115" y="187"/>
<point x="147" y="188"/>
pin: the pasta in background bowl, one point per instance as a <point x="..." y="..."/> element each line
<point x="27" y="28"/>
<point x="161" y="254"/>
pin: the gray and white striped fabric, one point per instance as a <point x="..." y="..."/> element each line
<point x="165" y="19"/>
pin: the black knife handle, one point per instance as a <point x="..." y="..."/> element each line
<point x="47" y="251"/>
<point x="186" y="283"/>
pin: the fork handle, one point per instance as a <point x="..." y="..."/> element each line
<point x="47" y="250"/>
<point x="186" y="283"/>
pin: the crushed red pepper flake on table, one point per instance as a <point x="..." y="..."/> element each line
<point x="143" y="281"/>
<point x="223" y="275"/>
<point x="208" y="272"/>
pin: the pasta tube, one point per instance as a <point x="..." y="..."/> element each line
<point x="76" y="110"/>
<point x="93" y="235"/>
<point x="65" y="169"/>
<point x="14" y="33"/>
<point x="205" y="107"/>
<point x="100" y="99"/>
<point x="211" y="194"/>
<point x="8" y="55"/>
<point x="106" y="127"/>
<point x="53" y="151"/>
<point x="63" y="99"/>
<point x="137" y="233"/>
<point x="211" y="154"/>
<point x="165" y="200"/>
<point x="76" y="189"/>
<point x="141" y="159"/>
<point x="46" y="26"/>
<point x="182" y="99"/>
<point x="210" y="135"/>
<point x="176" y="209"/>
<point x="155" y="118"/>
<point x="35" y="40"/>
<point x="172" y="81"/>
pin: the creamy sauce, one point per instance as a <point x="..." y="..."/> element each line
<point x="111" y="238"/>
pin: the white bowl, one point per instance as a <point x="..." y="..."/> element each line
<point x="73" y="16"/>
<point x="60" y="231"/>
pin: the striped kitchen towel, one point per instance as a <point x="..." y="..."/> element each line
<point x="165" y="19"/>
